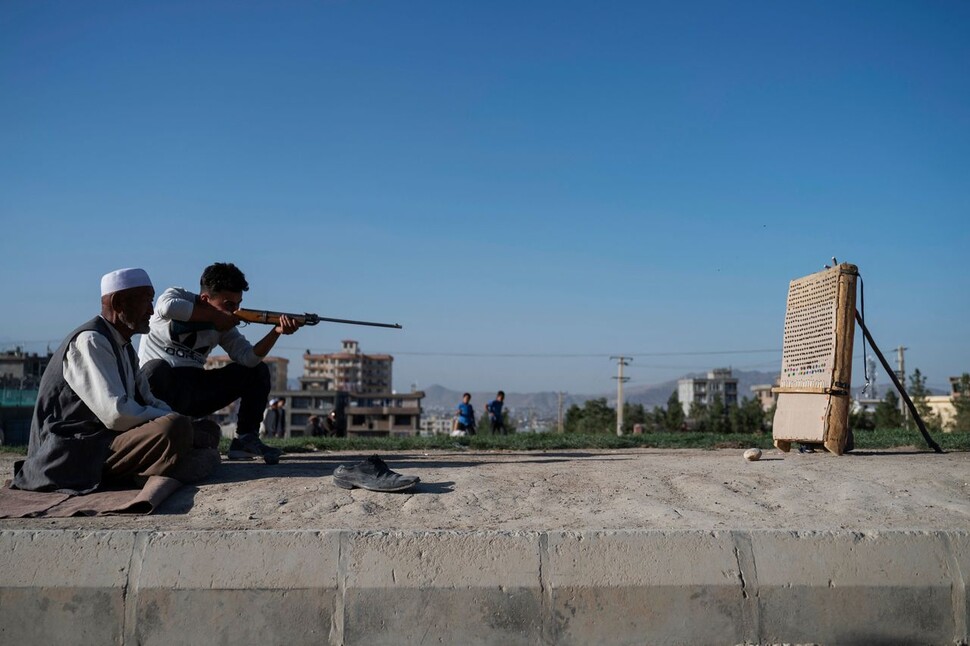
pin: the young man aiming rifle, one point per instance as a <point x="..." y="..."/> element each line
<point x="184" y="330"/>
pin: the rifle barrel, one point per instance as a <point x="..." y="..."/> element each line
<point x="273" y="318"/>
<point x="396" y="326"/>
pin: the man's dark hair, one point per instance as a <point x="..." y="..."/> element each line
<point x="466" y="395"/>
<point x="500" y="393"/>
<point x="223" y="277"/>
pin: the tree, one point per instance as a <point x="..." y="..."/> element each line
<point x="861" y="420"/>
<point x="699" y="417"/>
<point x="675" y="418"/>
<point x="887" y="413"/>
<point x="633" y="414"/>
<point x="919" y="393"/>
<point x="717" y="416"/>
<point x="570" y="421"/>
<point x="594" y="417"/>
<point x="770" y="416"/>
<point x="961" y="403"/>
<point x="749" y="417"/>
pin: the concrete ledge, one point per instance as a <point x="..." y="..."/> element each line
<point x="404" y="587"/>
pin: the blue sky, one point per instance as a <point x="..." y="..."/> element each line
<point x="502" y="178"/>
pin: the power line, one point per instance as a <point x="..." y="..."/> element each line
<point x="558" y="355"/>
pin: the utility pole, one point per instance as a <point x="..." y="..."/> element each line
<point x="560" y="411"/>
<point x="901" y="375"/>
<point x="620" y="362"/>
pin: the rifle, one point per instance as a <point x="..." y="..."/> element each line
<point x="273" y="318"/>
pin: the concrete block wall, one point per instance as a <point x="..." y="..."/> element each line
<point x="409" y="587"/>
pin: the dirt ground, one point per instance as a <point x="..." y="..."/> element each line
<point x="552" y="490"/>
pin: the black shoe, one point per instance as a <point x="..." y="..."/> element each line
<point x="372" y="474"/>
<point x="250" y="447"/>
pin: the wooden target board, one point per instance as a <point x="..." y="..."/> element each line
<point x="816" y="362"/>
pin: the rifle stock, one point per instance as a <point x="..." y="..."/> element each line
<point x="268" y="317"/>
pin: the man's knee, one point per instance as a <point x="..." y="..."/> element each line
<point x="257" y="375"/>
<point x="262" y="375"/>
<point x="176" y="433"/>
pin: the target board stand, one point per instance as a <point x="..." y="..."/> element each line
<point x="816" y="363"/>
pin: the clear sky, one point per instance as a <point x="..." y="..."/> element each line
<point x="567" y="180"/>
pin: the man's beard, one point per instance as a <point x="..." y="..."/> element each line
<point x="136" y="327"/>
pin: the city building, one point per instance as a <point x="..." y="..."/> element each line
<point x="942" y="406"/>
<point x="20" y="374"/>
<point x="955" y="387"/>
<point x="351" y="370"/>
<point x="764" y="394"/>
<point x="864" y="405"/>
<point x="21" y="370"/>
<point x="703" y="390"/>
<point x="299" y="405"/>
<point x="436" y="425"/>
<point x="384" y="414"/>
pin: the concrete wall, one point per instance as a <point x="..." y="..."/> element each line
<point x="406" y="587"/>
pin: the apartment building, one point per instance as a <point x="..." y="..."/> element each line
<point x="350" y="370"/>
<point x="21" y="370"/>
<point x="703" y="390"/>
<point x="436" y="425"/>
<point x="765" y="395"/>
<point x="384" y="414"/>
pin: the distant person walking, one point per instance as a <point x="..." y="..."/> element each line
<point x="330" y="426"/>
<point x="465" y="417"/>
<point x="274" y="419"/>
<point x="313" y="427"/>
<point x="494" y="409"/>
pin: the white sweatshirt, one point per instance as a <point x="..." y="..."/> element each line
<point x="185" y="343"/>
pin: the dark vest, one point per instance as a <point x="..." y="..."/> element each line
<point x="68" y="443"/>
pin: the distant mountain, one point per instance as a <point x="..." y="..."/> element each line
<point x="439" y="399"/>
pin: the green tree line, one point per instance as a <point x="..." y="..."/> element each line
<point x="749" y="417"/>
<point x="596" y="417"/>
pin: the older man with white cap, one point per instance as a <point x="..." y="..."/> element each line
<point x="96" y="421"/>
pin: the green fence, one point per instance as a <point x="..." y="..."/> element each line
<point x="10" y="398"/>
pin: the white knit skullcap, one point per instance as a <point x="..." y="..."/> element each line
<point x="115" y="281"/>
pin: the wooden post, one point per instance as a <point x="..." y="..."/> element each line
<point x="837" y="422"/>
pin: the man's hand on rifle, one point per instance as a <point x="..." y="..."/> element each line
<point x="287" y="325"/>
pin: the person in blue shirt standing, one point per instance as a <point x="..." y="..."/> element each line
<point x="465" y="423"/>
<point x="494" y="409"/>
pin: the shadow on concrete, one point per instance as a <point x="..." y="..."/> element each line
<point x="179" y="503"/>
<point x="315" y="465"/>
